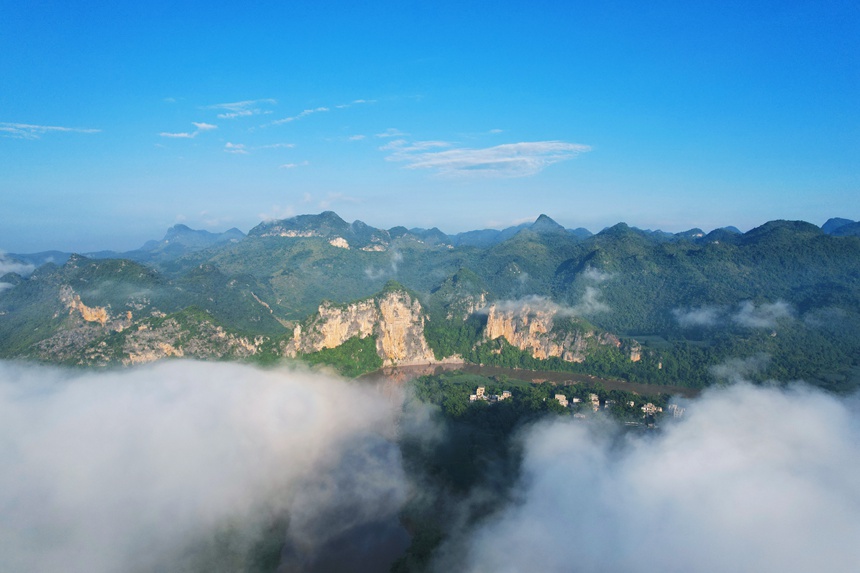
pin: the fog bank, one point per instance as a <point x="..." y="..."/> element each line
<point x="751" y="479"/>
<point x="138" y="469"/>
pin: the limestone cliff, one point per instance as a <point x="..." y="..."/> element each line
<point x="170" y="338"/>
<point x="536" y="329"/>
<point x="72" y="300"/>
<point x="394" y="317"/>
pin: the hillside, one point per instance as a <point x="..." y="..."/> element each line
<point x="784" y="296"/>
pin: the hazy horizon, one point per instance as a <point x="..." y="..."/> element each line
<point x="119" y="121"/>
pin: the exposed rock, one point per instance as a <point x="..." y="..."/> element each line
<point x="72" y="300"/>
<point x="171" y="339"/>
<point x="394" y="317"/>
<point x="535" y="330"/>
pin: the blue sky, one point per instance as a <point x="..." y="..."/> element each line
<point x="118" y="121"/>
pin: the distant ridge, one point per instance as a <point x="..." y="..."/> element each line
<point x="180" y="239"/>
<point x="841" y="227"/>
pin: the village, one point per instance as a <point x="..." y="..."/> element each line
<point x="650" y="411"/>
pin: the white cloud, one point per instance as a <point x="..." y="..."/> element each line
<point x="331" y="198"/>
<point x="701" y="316"/>
<point x="245" y="108"/>
<point x="276" y="146"/>
<point x="10" y="265"/>
<point x="748" y="314"/>
<point x="402" y="146"/>
<point x="354" y="102"/>
<point x="391" y="132"/>
<point x="764" y="315"/>
<point x="588" y="304"/>
<point x="320" y="109"/>
<point x="298" y="116"/>
<point x="374" y="273"/>
<point x="356" y="137"/>
<point x="30" y="131"/>
<point x="293" y="165"/>
<point x="736" y="370"/>
<point x="237" y="148"/>
<point x="507" y="160"/>
<point x="241" y="148"/>
<point x="5" y="286"/>
<point x="200" y="127"/>
<point x="142" y="467"/>
<point x="751" y="479"/>
<point x="277" y="213"/>
<point x="596" y="275"/>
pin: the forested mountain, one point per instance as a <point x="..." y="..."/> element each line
<point x="643" y="305"/>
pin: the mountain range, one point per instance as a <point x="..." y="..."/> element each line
<point x="781" y="300"/>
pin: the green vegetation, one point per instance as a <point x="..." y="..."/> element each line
<point x="260" y="286"/>
<point x="354" y="357"/>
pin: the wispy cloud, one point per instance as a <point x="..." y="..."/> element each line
<point x="245" y="108"/>
<point x="10" y="265"/>
<point x="277" y="212"/>
<point x="276" y="146"/>
<point x="337" y="198"/>
<point x="200" y="128"/>
<point x="31" y="131"/>
<point x="237" y="148"/>
<point x="242" y="149"/>
<point x="403" y="146"/>
<point x="356" y="137"/>
<point x="746" y="314"/>
<point x="293" y="165"/>
<point x="321" y="109"/>
<point x="374" y="273"/>
<point x="590" y="303"/>
<point x="507" y="160"/>
<point x="762" y="316"/>
<point x="298" y="116"/>
<point x="701" y="316"/>
<point x="738" y="370"/>
<point x="391" y="132"/>
<point x="355" y="102"/>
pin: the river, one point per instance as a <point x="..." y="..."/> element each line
<point x="406" y="373"/>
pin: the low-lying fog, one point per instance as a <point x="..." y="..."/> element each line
<point x="195" y="466"/>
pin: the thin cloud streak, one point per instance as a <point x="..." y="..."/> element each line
<point x="201" y="127"/>
<point x="391" y="132"/>
<point x="747" y="314"/>
<point x="245" y="108"/>
<point x="242" y="149"/>
<point x="31" y="131"/>
<point x="502" y="161"/>
<point x="293" y="165"/>
<point x="304" y="113"/>
<point x="321" y="109"/>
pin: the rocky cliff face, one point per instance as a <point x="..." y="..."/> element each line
<point x="394" y="317"/>
<point x="170" y="338"/>
<point x="98" y="336"/>
<point x="533" y="329"/>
